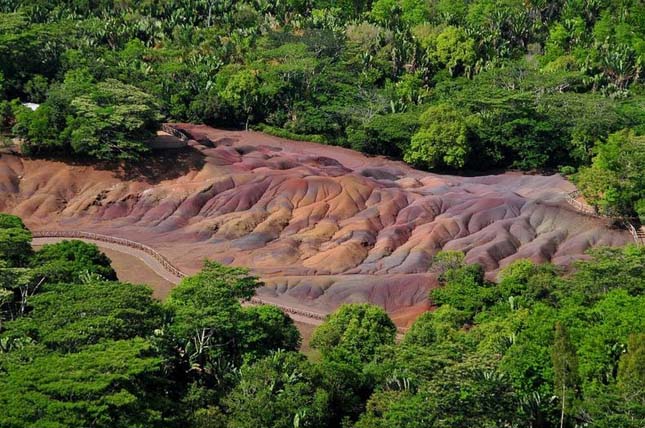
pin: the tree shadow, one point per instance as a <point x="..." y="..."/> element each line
<point x="153" y="167"/>
<point x="159" y="165"/>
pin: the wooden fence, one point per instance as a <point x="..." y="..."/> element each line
<point x="113" y="240"/>
<point x="637" y="234"/>
<point x="168" y="128"/>
<point x="163" y="261"/>
<point x="572" y="199"/>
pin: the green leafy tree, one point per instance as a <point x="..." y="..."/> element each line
<point x="354" y="332"/>
<point x="280" y="391"/>
<point x="113" y="122"/>
<point x="608" y="269"/>
<point x="239" y="89"/>
<point x="410" y="12"/>
<point x="15" y="240"/>
<point x="455" y="50"/>
<point x="108" y="120"/>
<point x="44" y="130"/>
<point x="267" y="328"/>
<point x="111" y="384"/>
<point x="526" y="282"/>
<point x="442" y="140"/>
<point x="614" y="183"/>
<point x="466" y="394"/>
<point x="631" y="377"/>
<point x="67" y="261"/>
<point x="17" y="285"/>
<point x="67" y="317"/>
<point x="211" y="335"/>
<point x="464" y="288"/>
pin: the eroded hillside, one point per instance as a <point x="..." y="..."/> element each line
<point x="321" y="225"/>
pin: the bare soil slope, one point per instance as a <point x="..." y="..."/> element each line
<point x="321" y="225"/>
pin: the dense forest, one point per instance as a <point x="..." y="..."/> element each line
<point x="443" y="84"/>
<point x="542" y="348"/>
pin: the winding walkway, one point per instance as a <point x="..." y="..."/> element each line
<point x="159" y="264"/>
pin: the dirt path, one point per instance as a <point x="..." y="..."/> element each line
<point x="148" y="260"/>
<point x="133" y="270"/>
<point x="136" y="266"/>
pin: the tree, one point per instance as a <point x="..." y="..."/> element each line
<point x="465" y="394"/>
<point x="112" y="384"/>
<point x="108" y="120"/>
<point x="608" y="269"/>
<point x="565" y="368"/>
<point x="15" y="240"/>
<point x="614" y="183"/>
<point x="411" y="12"/>
<point x="354" y="332"/>
<point x="442" y="140"/>
<point x="280" y="391"/>
<point x="67" y="317"/>
<point x="239" y="89"/>
<point x="631" y="376"/>
<point x="463" y="288"/>
<point x="447" y="260"/>
<point x="455" y="50"/>
<point x="17" y="285"/>
<point x="44" y="130"/>
<point x="67" y="261"/>
<point x="527" y="282"/>
<point x="113" y="122"/>
<point x="267" y="328"/>
<point x="209" y="327"/>
<point x="29" y="49"/>
<point x="422" y="331"/>
<point x="384" y="134"/>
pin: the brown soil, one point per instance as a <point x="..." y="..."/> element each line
<point x="306" y="331"/>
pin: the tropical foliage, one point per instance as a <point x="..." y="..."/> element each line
<point x="540" y="348"/>
<point x="443" y="84"/>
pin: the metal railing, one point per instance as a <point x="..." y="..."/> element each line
<point x="163" y="261"/>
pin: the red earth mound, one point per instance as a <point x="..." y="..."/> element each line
<point x="321" y="225"/>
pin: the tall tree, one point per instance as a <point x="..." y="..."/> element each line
<point x="565" y="368"/>
<point x="354" y="331"/>
<point x="15" y="240"/>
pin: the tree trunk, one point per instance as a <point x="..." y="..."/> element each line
<point x="564" y="389"/>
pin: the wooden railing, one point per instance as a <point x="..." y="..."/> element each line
<point x="572" y="199"/>
<point x="637" y="234"/>
<point x="163" y="261"/>
<point x="289" y="309"/>
<point x="166" y="127"/>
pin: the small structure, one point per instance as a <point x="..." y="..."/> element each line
<point x="31" y="106"/>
